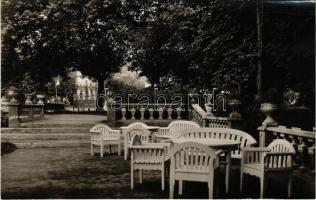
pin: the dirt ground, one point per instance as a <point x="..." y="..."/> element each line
<point x="73" y="173"/>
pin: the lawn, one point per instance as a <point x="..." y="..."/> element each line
<point x="73" y="173"/>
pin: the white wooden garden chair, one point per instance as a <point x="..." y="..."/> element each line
<point x="262" y="162"/>
<point x="148" y="156"/>
<point x="127" y="138"/>
<point x="174" y="128"/>
<point x="191" y="161"/>
<point x="102" y="135"/>
<point x="129" y="134"/>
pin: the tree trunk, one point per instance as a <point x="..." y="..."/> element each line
<point x="100" y="97"/>
<point x="259" y="12"/>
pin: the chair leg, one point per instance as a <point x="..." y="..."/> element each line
<point x="101" y="150"/>
<point x="119" y="149"/>
<point x="92" y="151"/>
<point x="210" y="190"/>
<point x="227" y="177"/>
<point x="289" y="187"/>
<point x="171" y="188"/>
<point x="262" y="186"/>
<point x="132" y="177"/>
<point x="110" y="149"/>
<point x="210" y="185"/>
<point x="180" y="187"/>
<point x="125" y="152"/>
<point x="241" y="181"/>
<point x="140" y="176"/>
<point x="163" y="179"/>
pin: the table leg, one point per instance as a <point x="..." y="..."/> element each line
<point x="228" y="163"/>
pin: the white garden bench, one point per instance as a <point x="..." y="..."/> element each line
<point x="244" y="138"/>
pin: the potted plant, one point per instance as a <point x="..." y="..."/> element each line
<point x="270" y="106"/>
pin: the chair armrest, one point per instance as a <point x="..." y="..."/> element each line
<point x="166" y="141"/>
<point x="158" y="144"/>
<point x="91" y="132"/>
<point x="255" y="149"/>
<point x="147" y="147"/>
<point x="116" y="132"/>
<point x="219" y="152"/>
<point x="279" y="153"/>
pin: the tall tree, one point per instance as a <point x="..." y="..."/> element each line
<point x="48" y="38"/>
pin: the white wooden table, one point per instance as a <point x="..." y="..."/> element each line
<point x="217" y="144"/>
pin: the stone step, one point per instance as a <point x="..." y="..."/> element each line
<point x="57" y="124"/>
<point x="51" y="143"/>
<point x="46" y="130"/>
<point x="43" y="136"/>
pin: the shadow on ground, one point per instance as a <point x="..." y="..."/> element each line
<point x="73" y="173"/>
<point x="7" y="147"/>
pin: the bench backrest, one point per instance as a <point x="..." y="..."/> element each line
<point x="176" y="126"/>
<point x="221" y="133"/>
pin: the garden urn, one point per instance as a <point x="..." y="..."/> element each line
<point x="40" y="98"/>
<point x="4" y="98"/>
<point x="234" y="104"/>
<point x="12" y="94"/>
<point x="28" y="99"/>
<point x="269" y="109"/>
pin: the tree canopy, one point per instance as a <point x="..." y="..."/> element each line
<point x="49" y="38"/>
<point x="176" y="43"/>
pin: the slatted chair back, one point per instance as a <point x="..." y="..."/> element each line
<point x="192" y="157"/>
<point x="106" y="133"/>
<point x="136" y="140"/>
<point x="192" y="161"/>
<point x="244" y="138"/>
<point x="134" y="125"/>
<point x="280" y="156"/>
<point x="146" y="154"/>
<point x="142" y="132"/>
<point x="281" y="145"/>
<point x="137" y="124"/>
<point x="176" y="126"/>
